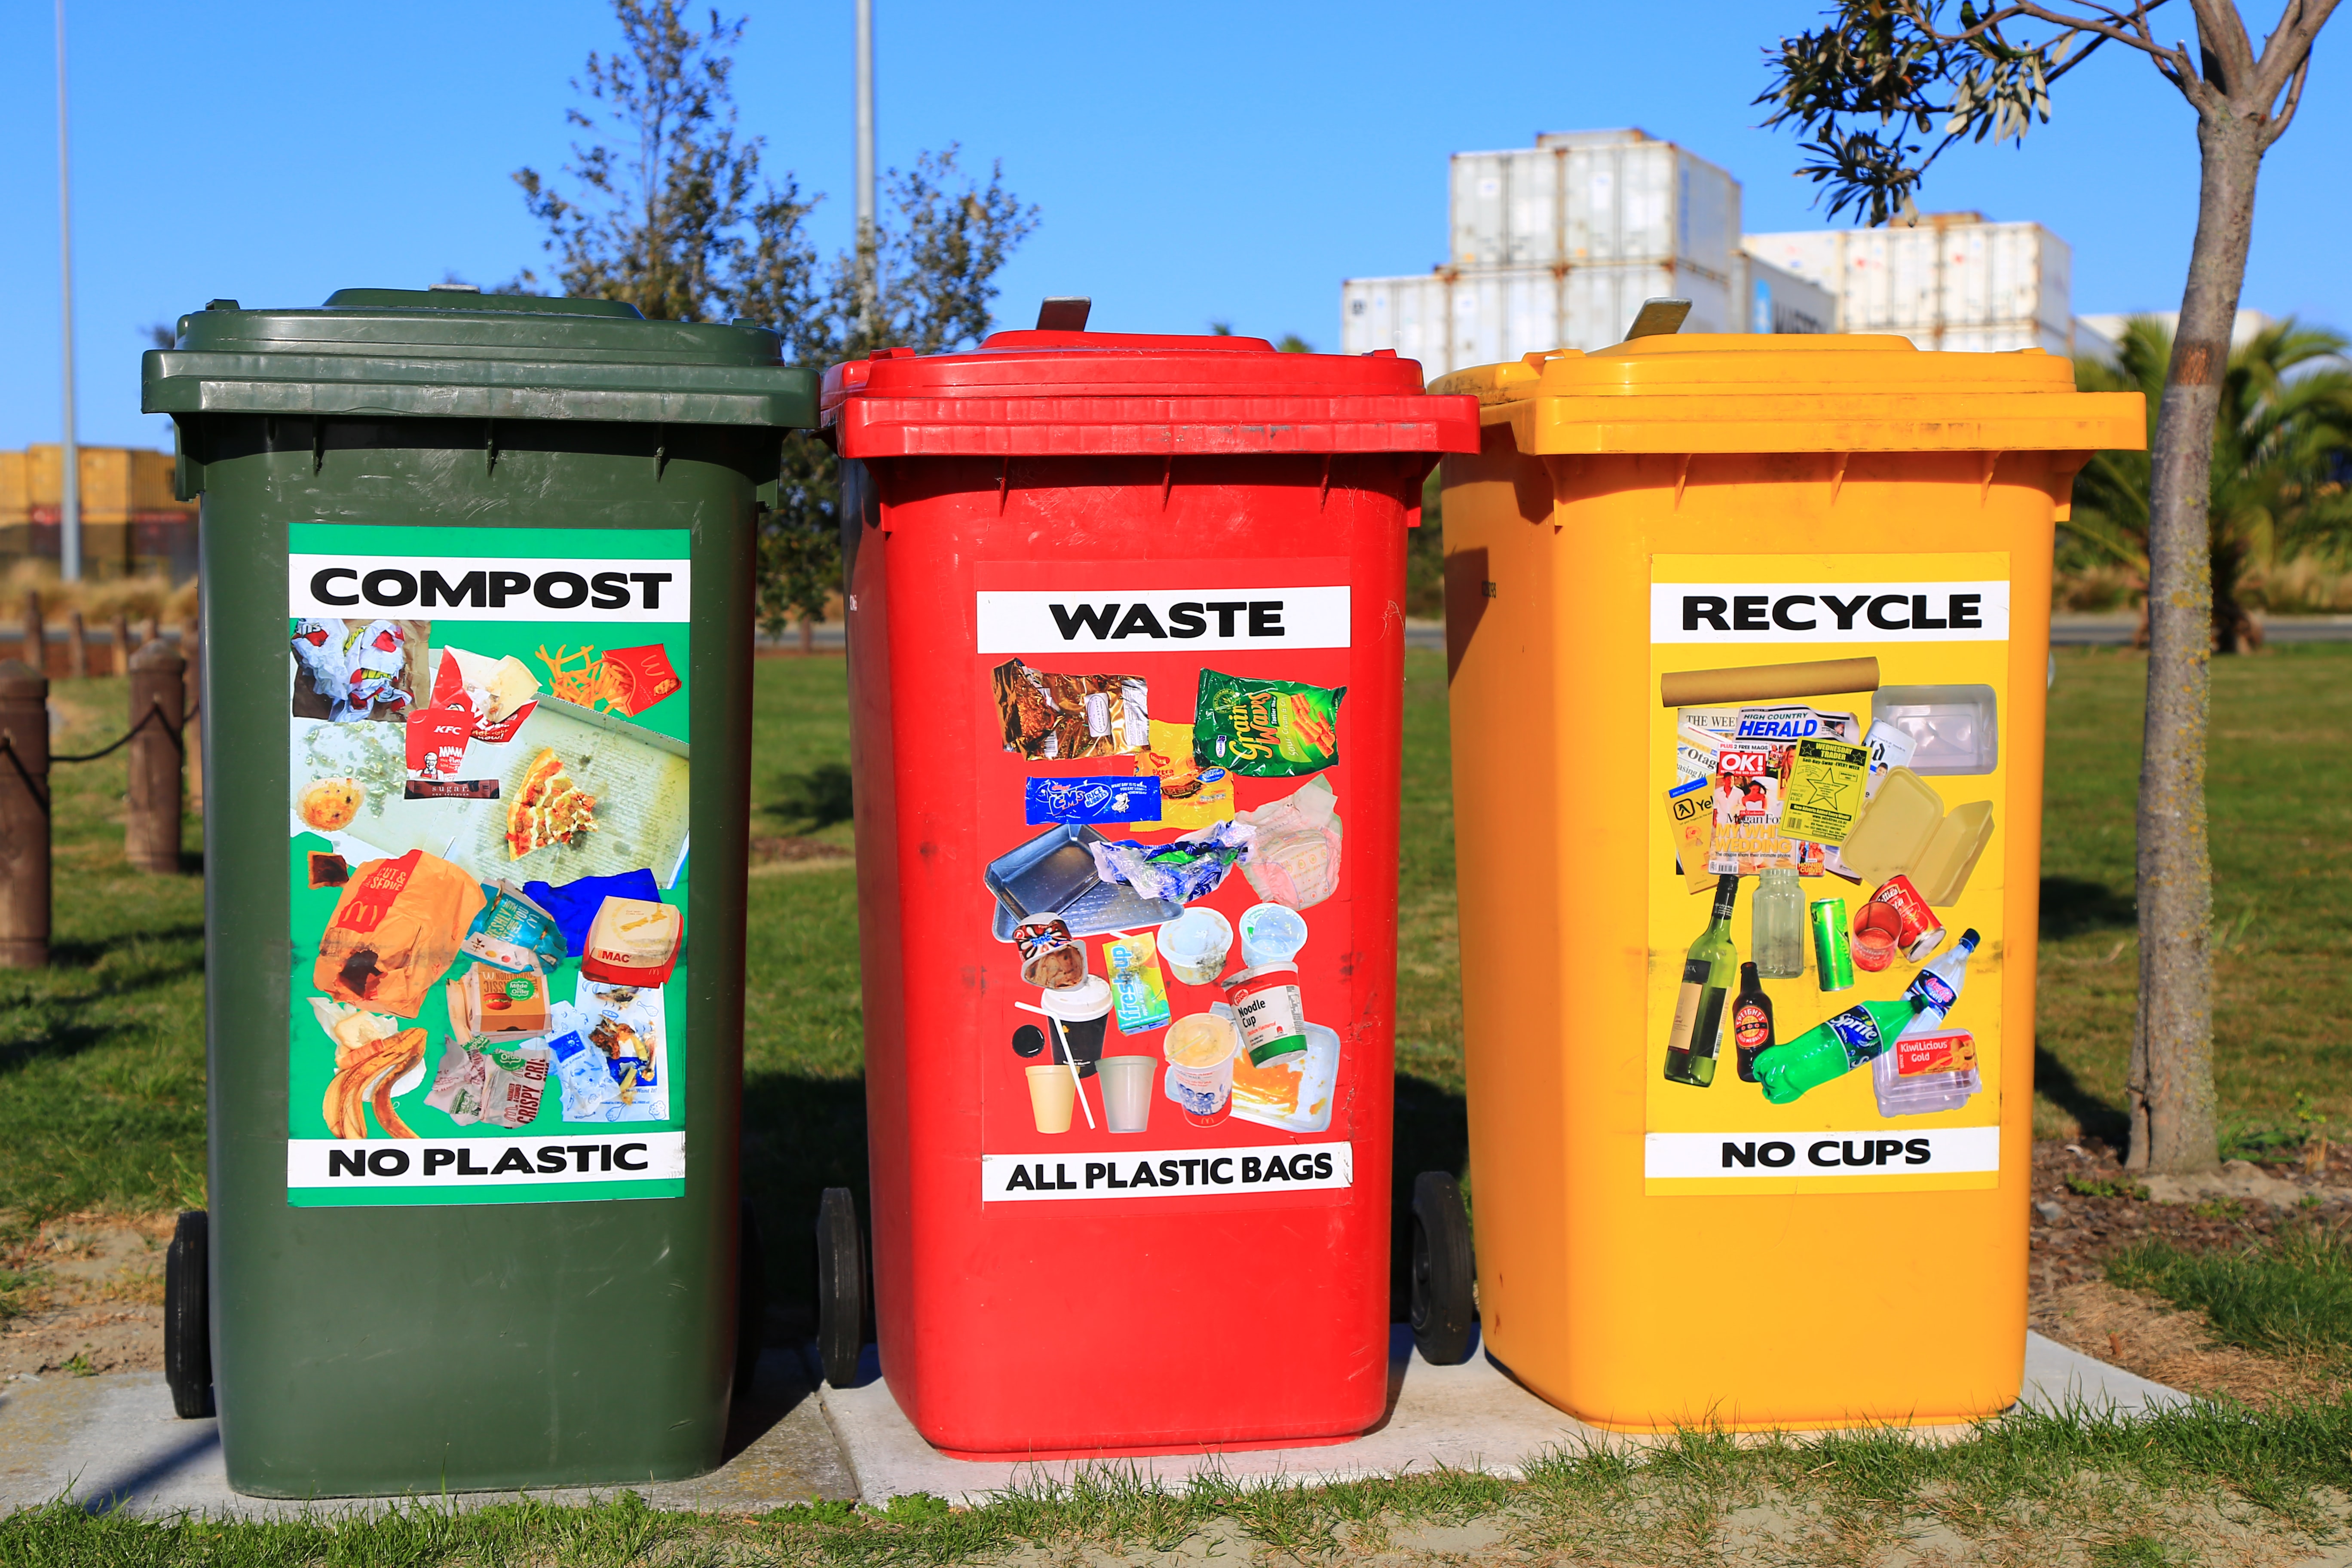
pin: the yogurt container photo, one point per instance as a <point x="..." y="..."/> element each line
<point x="1196" y="945"/>
<point x="1199" y="1048"/>
<point x="1271" y="934"/>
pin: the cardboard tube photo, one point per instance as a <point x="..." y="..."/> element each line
<point x="1766" y="682"/>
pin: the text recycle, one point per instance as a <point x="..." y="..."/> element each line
<point x="1851" y="612"/>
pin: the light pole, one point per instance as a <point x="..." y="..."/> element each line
<point x="70" y="456"/>
<point x="865" y="290"/>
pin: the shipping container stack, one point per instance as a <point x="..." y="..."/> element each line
<point x="1950" y="282"/>
<point x="1558" y="245"/>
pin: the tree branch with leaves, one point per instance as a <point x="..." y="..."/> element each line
<point x="666" y="208"/>
<point x="1878" y="93"/>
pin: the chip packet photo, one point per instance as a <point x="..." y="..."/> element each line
<point x="500" y="1086"/>
<point x="1050" y="716"/>
<point x="1260" y="728"/>
<point x="1190" y="794"/>
<point x="512" y="932"/>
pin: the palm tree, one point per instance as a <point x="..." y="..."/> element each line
<point x="2281" y="445"/>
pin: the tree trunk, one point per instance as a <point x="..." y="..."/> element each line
<point x="2173" y="1125"/>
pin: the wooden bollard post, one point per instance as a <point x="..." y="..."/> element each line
<point x="77" y="646"/>
<point x="36" y="651"/>
<point x="192" y="732"/>
<point x="150" y="839"/>
<point x="121" y="643"/>
<point x="24" y="817"/>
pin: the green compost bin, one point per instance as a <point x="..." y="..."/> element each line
<point x="478" y="613"/>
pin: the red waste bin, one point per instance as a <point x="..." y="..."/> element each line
<point x="1126" y="644"/>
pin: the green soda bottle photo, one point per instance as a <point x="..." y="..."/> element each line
<point x="1830" y="1049"/>
<point x="1863" y="1032"/>
<point x="1697" y="1029"/>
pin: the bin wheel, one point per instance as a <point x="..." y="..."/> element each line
<point x="751" y="1303"/>
<point x="1441" y="1270"/>
<point x="840" y="1287"/>
<point x="188" y="1317"/>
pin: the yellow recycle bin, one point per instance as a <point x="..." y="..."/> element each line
<point x="1746" y="643"/>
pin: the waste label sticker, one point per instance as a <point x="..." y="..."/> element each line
<point x="1167" y="1173"/>
<point x="1012" y="621"/>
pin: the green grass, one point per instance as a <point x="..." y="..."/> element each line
<point x="2071" y="1487"/>
<point x="103" y="1054"/>
<point x="2290" y="1293"/>
<point x="803" y="1044"/>
<point x="2282" y="836"/>
<point x="102" y="1107"/>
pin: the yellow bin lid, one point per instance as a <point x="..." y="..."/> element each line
<point x="1791" y="392"/>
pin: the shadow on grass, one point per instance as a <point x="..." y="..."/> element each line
<point x="70" y="955"/>
<point x="58" y="1019"/>
<point x="1433" y="1133"/>
<point x="802" y="1134"/>
<point x="2072" y="905"/>
<point x="817" y="798"/>
<point x="2098" y="1119"/>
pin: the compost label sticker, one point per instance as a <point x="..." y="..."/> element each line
<point x="1827" y="762"/>
<point x="487" y="865"/>
<point x="1165" y="927"/>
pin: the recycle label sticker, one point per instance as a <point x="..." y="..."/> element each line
<point x="1845" y="713"/>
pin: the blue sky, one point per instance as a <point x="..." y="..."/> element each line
<point x="1211" y="161"/>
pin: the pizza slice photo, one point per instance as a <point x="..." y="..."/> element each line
<point x="549" y="808"/>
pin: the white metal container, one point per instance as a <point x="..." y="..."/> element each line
<point x="1952" y="275"/>
<point x="1593" y="197"/>
<point x="1406" y="315"/>
<point x="1461" y="317"/>
<point x="1779" y="301"/>
<point x="1998" y="337"/>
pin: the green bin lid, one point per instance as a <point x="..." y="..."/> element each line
<point x="457" y="354"/>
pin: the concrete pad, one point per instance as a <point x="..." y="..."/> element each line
<point x="2066" y="1381"/>
<point x="1463" y="1417"/>
<point x="1471" y="1416"/>
<point x="112" y="1441"/>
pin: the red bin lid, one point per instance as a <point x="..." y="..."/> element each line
<point x="1078" y="393"/>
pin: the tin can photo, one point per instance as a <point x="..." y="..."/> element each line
<point x="1833" y="950"/>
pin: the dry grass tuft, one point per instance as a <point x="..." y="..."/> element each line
<point x="2145" y="1334"/>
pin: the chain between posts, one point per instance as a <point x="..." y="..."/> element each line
<point x="155" y="712"/>
<point x="32" y="787"/>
